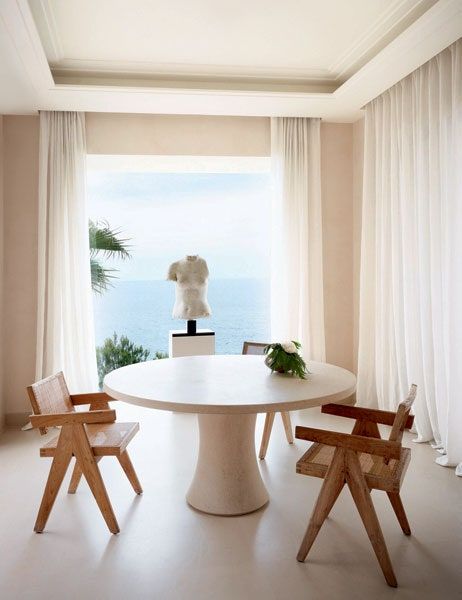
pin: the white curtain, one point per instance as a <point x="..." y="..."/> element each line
<point x="297" y="299"/>
<point x="411" y="253"/>
<point x="65" y="335"/>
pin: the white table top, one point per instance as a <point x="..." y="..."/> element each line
<point x="226" y="384"/>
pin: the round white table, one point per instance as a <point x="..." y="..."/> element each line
<point x="226" y="392"/>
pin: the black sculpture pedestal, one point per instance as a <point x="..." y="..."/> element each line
<point x="191" y="326"/>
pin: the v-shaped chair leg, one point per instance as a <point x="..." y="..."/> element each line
<point x="287" y="426"/>
<point x="331" y="488"/>
<point x="75" y="479"/>
<point x="362" y="497"/>
<point x="400" y="513"/>
<point x="269" y="420"/>
<point x="88" y="464"/>
<point x="77" y="476"/>
<point x="130" y="472"/>
<point x="126" y="465"/>
<point x="58" y="469"/>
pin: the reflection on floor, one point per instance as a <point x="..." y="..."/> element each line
<point x="166" y="550"/>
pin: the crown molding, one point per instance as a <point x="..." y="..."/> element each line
<point x="43" y="11"/>
<point x="392" y="18"/>
<point x="20" y="25"/>
<point x="374" y="38"/>
<point x="183" y="70"/>
<point x="254" y="84"/>
<point x="432" y="32"/>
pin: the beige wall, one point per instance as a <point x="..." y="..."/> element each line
<point x="337" y="217"/>
<point x="140" y="134"/>
<point x="20" y="140"/>
<point x="181" y="135"/>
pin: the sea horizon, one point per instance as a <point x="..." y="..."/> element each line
<point x="141" y="310"/>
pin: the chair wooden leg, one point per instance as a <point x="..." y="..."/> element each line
<point x="366" y="428"/>
<point x="88" y="464"/>
<point x="331" y="488"/>
<point x="269" y="419"/>
<point x="77" y="476"/>
<point x="130" y="472"/>
<point x="288" y="426"/>
<point x="58" y="469"/>
<point x="75" y="479"/>
<point x="360" y="492"/>
<point x="398" y="507"/>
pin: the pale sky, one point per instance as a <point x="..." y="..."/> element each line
<point x="223" y="217"/>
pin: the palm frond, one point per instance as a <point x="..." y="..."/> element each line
<point x="107" y="241"/>
<point x="100" y="276"/>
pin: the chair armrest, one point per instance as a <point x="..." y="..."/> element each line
<point x="357" y="443"/>
<point x="73" y="418"/>
<point x="364" y="414"/>
<point x="93" y="398"/>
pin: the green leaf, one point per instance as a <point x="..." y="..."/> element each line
<point x="100" y="276"/>
<point x="280" y="360"/>
<point x="107" y="241"/>
<point x="104" y="242"/>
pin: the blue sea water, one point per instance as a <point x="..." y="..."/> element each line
<point x="142" y="310"/>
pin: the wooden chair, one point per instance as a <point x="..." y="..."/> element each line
<point x="364" y="462"/>
<point x="257" y="348"/>
<point x="88" y="436"/>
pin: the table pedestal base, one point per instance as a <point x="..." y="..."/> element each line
<point x="227" y="480"/>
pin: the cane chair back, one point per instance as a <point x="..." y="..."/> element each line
<point x="402" y="414"/>
<point x="255" y="348"/>
<point x="50" y="396"/>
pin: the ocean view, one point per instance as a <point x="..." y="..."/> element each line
<point x="223" y="217"/>
<point x="142" y="310"/>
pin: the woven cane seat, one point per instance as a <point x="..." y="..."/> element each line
<point x="378" y="475"/>
<point x="105" y="439"/>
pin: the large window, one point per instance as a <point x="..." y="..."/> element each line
<point x="218" y="208"/>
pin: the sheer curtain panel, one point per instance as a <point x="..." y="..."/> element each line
<point x="411" y="265"/>
<point x="297" y="299"/>
<point x="65" y="334"/>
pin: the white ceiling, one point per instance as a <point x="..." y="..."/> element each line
<point x="270" y="38"/>
<point x="257" y="57"/>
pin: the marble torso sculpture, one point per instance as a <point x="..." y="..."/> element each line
<point x="191" y="276"/>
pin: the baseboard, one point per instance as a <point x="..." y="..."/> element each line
<point x="16" y="419"/>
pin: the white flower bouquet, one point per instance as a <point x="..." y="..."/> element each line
<point x="284" y="358"/>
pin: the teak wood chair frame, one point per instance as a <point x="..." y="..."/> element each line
<point x="86" y="435"/>
<point x="363" y="461"/>
<point x="269" y="417"/>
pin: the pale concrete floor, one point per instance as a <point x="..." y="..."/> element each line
<point x="167" y="550"/>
